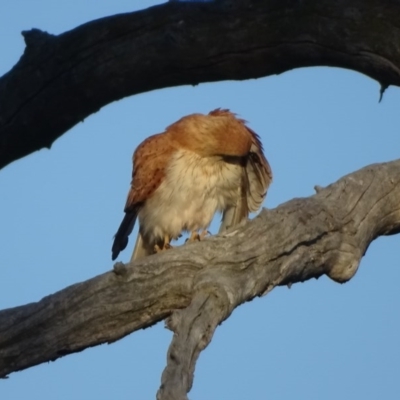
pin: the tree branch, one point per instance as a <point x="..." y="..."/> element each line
<point x="61" y="80"/>
<point x="198" y="285"/>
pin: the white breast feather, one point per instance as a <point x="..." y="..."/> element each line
<point x="194" y="189"/>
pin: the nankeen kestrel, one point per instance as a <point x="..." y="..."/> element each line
<point x="200" y="165"/>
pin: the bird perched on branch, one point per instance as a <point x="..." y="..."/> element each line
<point x="200" y="165"/>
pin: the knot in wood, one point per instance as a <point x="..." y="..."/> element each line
<point x="345" y="264"/>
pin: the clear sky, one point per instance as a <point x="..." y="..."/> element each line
<point x="60" y="209"/>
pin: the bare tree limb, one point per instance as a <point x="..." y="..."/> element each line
<point x="61" y="80"/>
<point x="197" y="286"/>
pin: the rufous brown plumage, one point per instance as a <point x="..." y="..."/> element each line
<point x="200" y="165"/>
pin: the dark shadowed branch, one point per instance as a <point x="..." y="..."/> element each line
<point x="61" y="80"/>
<point x="197" y="286"/>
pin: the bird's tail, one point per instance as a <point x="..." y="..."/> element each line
<point x="142" y="248"/>
<point x="124" y="230"/>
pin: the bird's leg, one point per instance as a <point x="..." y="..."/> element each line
<point x="195" y="236"/>
<point x="204" y="233"/>
<point x="167" y="241"/>
<point x="166" y="245"/>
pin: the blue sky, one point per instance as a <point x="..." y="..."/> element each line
<point x="60" y="209"/>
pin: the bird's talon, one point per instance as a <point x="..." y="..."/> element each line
<point x="158" y="249"/>
<point x="204" y="234"/>
<point x="194" y="236"/>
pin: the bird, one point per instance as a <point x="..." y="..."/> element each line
<point x="200" y="165"/>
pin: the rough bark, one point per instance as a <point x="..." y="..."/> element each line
<point x="197" y="286"/>
<point x="60" y="80"/>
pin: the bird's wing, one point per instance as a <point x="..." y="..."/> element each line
<point x="256" y="178"/>
<point x="150" y="161"/>
<point x="239" y="212"/>
<point x="259" y="174"/>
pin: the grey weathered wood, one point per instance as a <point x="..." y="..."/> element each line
<point x="61" y="80"/>
<point x="198" y="285"/>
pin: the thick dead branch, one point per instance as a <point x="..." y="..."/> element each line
<point x="60" y="80"/>
<point x="193" y="330"/>
<point x="198" y="285"/>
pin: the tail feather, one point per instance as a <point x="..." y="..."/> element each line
<point x="142" y="248"/>
<point x="124" y="230"/>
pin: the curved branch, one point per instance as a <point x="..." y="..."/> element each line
<point x="198" y="285"/>
<point x="61" y="80"/>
